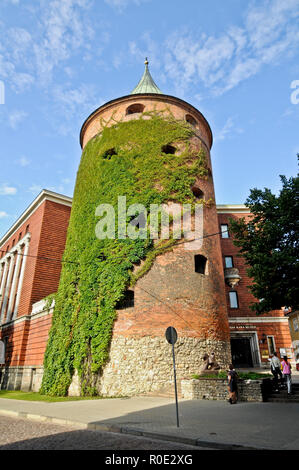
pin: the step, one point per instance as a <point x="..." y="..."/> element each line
<point x="283" y="400"/>
<point x="165" y="392"/>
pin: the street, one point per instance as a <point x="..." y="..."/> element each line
<point x="23" y="434"/>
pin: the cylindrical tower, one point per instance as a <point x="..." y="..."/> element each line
<point x="184" y="287"/>
<point x="117" y="296"/>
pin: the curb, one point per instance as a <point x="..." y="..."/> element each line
<point x="131" y="431"/>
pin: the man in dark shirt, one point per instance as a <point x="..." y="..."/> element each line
<point x="232" y="384"/>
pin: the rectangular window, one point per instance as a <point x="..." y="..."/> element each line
<point x="233" y="299"/>
<point x="200" y="264"/>
<point x="228" y="261"/>
<point x="127" y="301"/>
<point x="224" y="231"/>
<point x="271" y="344"/>
<point x="295" y="324"/>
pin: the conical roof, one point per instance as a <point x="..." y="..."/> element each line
<point x="146" y="84"/>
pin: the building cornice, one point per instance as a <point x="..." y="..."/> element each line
<point x="258" y="320"/>
<point x="232" y="209"/>
<point x="44" y="195"/>
<point x="150" y="96"/>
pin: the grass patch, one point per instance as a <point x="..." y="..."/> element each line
<point x="34" y="396"/>
<point x="253" y="375"/>
<point x="241" y="375"/>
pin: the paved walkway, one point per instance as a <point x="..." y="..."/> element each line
<point x="215" y="424"/>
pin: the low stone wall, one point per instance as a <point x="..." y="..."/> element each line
<point x="216" y="389"/>
<point x="144" y="365"/>
<point x="21" y="378"/>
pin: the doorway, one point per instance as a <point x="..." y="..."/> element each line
<point x="241" y="352"/>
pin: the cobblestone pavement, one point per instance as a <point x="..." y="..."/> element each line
<point x="21" y="434"/>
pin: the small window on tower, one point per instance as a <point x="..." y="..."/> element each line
<point x="135" y="108"/>
<point x="109" y="153"/>
<point x="200" y="262"/>
<point x="127" y="301"/>
<point x="168" y="149"/>
<point x="197" y="192"/>
<point x="191" y="120"/>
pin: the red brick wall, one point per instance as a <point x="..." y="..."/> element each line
<point x="280" y="330"/>
<point x="35" y="223"/>
<point x="244" y="295"/>
<point x="37" y="340"/>
<point x="47" y="227"/>
<point x="191" y="302"/>
<point x="51" y="246"/>
<point x="46" y="276"/>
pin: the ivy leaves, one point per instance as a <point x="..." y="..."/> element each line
<point x="125" y="160"/>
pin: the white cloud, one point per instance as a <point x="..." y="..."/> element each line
<point x="3" y="214"/>
<point x="35" y="188"/>
<point x="226" y="129"/>
<point x="63" y="30"/>
<point x="16" y="117"/>
<point x="120" y="5"/>
<point x="23" y="161"/>
<point x="6" y="190"/>
<point x="230" y="127"/>
<point x="66" y="180"/>
<point x="269" y="32"/>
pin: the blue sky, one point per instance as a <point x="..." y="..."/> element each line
<point x="60" y="59"/>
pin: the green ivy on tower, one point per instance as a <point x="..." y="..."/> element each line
<point x="126" y="159"/>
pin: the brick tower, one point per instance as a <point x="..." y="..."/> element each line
<point x="184" y="288"/>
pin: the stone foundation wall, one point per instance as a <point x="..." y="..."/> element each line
<point x="216" y="389"/>
<point x="142" y="365"/>
<point x="21" y="378"/>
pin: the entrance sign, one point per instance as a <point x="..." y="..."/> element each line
<point x="171" y="336"/>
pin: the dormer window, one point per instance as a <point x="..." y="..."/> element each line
<point x="135" y="108"/>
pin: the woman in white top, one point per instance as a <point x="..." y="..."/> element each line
<point x="276" y="370"/>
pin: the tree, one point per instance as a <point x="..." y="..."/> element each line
<point x="269" y="243"/>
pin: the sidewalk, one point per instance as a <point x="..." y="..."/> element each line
<point x="214" y="424"/>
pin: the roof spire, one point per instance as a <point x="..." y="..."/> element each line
<point x="146" y="84"/>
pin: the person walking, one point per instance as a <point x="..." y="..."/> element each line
<point x="287" y="373"/>
<point x="232" y="385"/>
<point x="276" y="370"/>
